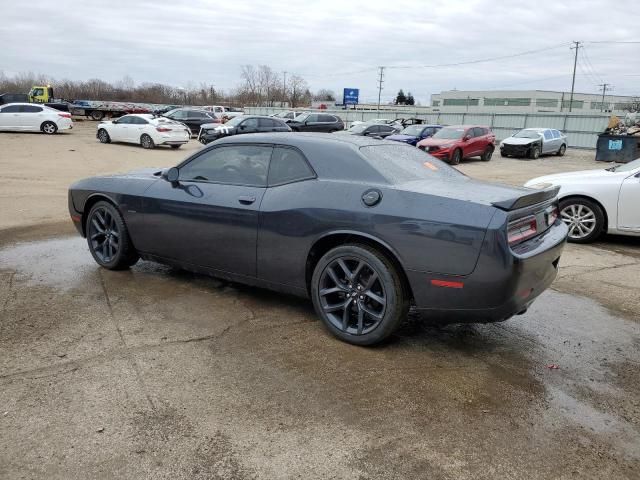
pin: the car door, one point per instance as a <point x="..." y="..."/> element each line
<point x="250" y="125"/>
<point x="210" y="216"/>
<point x="119" y="131"/>
<point x="548" y="144"/>
<point x="136" y="129"/>
<point x="281" y="221"/>
<point x="10" y="117"/>
<point x="628" y="204"/>
<point x="312" y="124"/>
<point x="386" y="130"/>
<point x="31" y="117"/>
<point x="468" y="145"/>
<point x="267" y="125"/>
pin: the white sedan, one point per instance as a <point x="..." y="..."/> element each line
<point x="144" y="129"/>
<point x="30" y="117"/>
<point x="594" y="201"/>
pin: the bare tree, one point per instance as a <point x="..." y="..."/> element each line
<point x="324" y="94"/>
<point x="298" y="91"/>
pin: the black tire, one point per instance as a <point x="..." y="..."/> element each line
<point x="456" y="156"/>
<point x="363" y="321"/>
<point x="108" y="237"/>
<point x="103" y="136"/>
<point x="146" y="141"/>
<point x="561" y="151"/>
<point x="502" y="154"/>
<point x="48" y="128"/>
<point x="534" y="152"/>
<point x="486" y="155"/>
<point x="573" y="206"/>
<point x="175" y="146"/>
<point x="97" y="115"/>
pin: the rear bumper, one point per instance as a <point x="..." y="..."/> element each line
<point x="501" y="286"/>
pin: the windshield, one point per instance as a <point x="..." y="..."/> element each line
<point x="403" y="163"/>
<point x="450" y="133"/>
<point x="359" y="128"/>
<point x="302" y="117"/>
<point x="626" y="167"/>
<point x="235" y="121"/>
<point x="527" y="134"/>
<point x="413" y="130"/>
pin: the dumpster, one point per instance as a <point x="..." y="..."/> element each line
<point x="617" y="148"/>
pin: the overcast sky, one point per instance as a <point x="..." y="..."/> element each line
<point x="332" y="44"/>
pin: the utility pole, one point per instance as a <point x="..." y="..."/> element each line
<point x="284" y="88"/>
<point x="573" y="80"/>
<point x="605" y="87"/>
<point x="380" y="82"/>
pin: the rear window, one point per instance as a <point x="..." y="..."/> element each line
<point x="403" y="163"/>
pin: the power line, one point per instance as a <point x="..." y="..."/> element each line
<point x="380" y="82"/>
<point x="585" y="56"/>
<point x="604" y="91"/>
<point x="616" y="41"/>
<point x="573" y="80"/>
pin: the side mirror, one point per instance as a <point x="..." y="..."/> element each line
<point x="467" y="138"/>
<point x="171" y="175"/>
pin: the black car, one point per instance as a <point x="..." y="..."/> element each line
<point x="191" y="117"/>
<point x="366" y="228"/>
<point x="316" y="122"/>
<point x="372" y="130"/>
<point x="242" y="124"/>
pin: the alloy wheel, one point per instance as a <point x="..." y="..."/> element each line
<point x="104" y="235"/>
<point x="352" y="295"/>
<point x="49" y="128"/>
<point x="580" y="219"/>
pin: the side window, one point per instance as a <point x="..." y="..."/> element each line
<point x="11" y="109"/>
<point x="327" y="118"/>
<point x="288" y="165"/>
<point x="548" y="135"/>
<point x="428" y="131"/>
<point x="250" y="123"/>
<point x="218" y="110"/>
<point x="179" y="115"/>
<point x="313" y="118"/>
<point x="235" y="165"/>
<point x="373" y="129"/>
<point x="477" y="132"/>
<point x="386" y="128"/>
<point x="267" y="123"/>
<point x="555" y="133"/>
<point x="38" y="91"/>
<point x="139" y="121"/>
<point x="30" y="109"/>
<point x="126" y="120"/>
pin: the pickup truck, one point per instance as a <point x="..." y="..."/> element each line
<point x="220" y="112"/>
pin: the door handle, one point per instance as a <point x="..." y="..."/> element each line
<point x="246" y="199"/>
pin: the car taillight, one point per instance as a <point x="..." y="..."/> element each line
<point x="552" y="216"/>
<point x="163" y="129"/>
<point x="522" y="229"/>
<point x="65" y="115"/>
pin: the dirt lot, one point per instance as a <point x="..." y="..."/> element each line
<point x="157" y="373"/>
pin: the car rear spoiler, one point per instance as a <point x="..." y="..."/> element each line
<point x="528" y="199"/>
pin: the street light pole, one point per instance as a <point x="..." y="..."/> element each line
<point x="380" y="82"/>
<point x="573" y="80"/>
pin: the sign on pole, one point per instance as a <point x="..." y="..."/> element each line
<point x="350" y="96"/>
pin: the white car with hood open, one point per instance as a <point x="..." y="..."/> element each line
<point x="144" y="129"/>
<point x="595" y="201"/>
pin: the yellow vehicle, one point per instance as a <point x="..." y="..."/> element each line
<point x="41" y="94"/>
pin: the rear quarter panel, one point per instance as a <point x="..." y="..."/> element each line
<point x="426" y="233"/>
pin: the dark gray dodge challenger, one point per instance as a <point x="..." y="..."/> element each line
<point x="367" y="228"/>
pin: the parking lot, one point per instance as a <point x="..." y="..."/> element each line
<point x="158" y="373"/>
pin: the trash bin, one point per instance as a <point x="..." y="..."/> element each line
<point x="617" y="148"/>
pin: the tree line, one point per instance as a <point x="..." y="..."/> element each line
<point x="259" y="86"/>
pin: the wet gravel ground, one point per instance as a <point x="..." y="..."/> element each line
<point x="157" y="373"/>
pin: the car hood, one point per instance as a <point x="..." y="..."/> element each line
<point x="519" y="141"/>
<point x="402" y="138"/>
<point x="468" y="190"/>
<point x="572" y="177"/>
<point x="436" y="142"/>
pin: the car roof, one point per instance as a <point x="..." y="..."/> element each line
<point x="301" y="139"/>
<point x="466" y="126"/>
<point x="23" y="103"/>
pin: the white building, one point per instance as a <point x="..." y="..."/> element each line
<point x="525" y="101"/>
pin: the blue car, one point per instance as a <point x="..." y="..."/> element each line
<point x="414" y="133"/>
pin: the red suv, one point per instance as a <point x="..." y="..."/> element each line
<point x="456" y="142"/>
